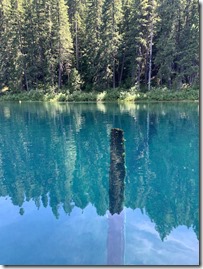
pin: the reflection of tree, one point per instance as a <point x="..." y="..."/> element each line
<point x="168" y="190"/>
<point x="58" y="155"/>
<point x="90" y="182"/>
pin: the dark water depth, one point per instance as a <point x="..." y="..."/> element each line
<point x="72" y="192"/>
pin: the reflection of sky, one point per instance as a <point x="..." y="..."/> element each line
<point x="38" y="237"/>
<point x="143" y="244"/>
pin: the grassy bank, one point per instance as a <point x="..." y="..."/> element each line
<point x="119" y="95"/>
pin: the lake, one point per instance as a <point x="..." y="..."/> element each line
<point x="99" y="184"/>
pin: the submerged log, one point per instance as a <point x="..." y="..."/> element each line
<point x="117" y="171"/>
<point x="115" y="241"/>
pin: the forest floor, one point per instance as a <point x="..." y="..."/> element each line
<point x="111" y="95"/>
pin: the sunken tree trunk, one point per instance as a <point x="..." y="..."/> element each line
<point x="117" y="172"/>
<point x="115" y="243"/>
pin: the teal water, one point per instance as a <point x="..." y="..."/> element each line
<point x="54" y="184"/>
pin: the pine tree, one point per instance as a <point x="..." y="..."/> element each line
<point x="29" y="32"/>
<point x="111" y="38"/>
<point x="152" y="23"/>
<point x="12" y="62"/>
<point x="110" y="43"/>
<point x="139" y="36"/>
<point x="48" y="42"/>
<point x="124" y="45"/>
<point x="189" y="51"/>
<point x="92" y="42"/>
<point x="4" y="38"/>
<point x="166" y="43"/>
<point x="77" y="14"/>
<point x="64" y="43"/>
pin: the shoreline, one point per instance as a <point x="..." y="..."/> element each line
<point x="103" y="102"/>
<point x="108" y="96"/>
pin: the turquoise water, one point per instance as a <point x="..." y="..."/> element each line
<point x="55" y="167"/>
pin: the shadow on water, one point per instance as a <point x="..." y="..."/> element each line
<point x="58" y="156"/>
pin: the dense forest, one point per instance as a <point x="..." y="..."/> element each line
<point x="71" y="45"/>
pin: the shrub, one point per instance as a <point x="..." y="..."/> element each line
<point x="75" y="81"/>
<point x="121" y="95"/>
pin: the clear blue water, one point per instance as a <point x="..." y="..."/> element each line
<point x="55" y="164"/>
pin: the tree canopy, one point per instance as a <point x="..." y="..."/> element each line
<point x="97" y="44"/>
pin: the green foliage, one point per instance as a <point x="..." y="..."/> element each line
<point x="75" y="81"/>
<point x="92" y="42"/>
<point x="119" y="94"/>
<point x="98" y="44"/>
<point x="177" y="43"/>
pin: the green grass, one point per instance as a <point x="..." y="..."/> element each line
<point x="119" y="95"/>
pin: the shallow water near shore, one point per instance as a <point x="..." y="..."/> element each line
<point x="56" y="162"/>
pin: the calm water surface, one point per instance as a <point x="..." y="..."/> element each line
<point x="55" y="170"/>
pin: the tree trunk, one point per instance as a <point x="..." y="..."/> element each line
<point x="26" y="82"/>
<point x="139" y="69"/>
<point x="150" y="48"/>
<point x="117" y="171"/>
<point x="60" y="75"/>
<point x="113" y="31"/>
<point x="146" y="66"/>
<point x="116" y="216"/>
<point x="21" y="49"/>
<point x="59" y="51"/>
<point x="76" y="45"/>
<point x="114" y="75"/>
<point x="122" y="67"/>
<point x="150" y="60"/>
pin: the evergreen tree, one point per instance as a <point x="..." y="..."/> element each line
<point x="4" y="41"/>
<point x="126" y="38"/>
<point x="110" y="43"/>
<point x="64" y="43"/>
<point x="77" y="14"/>
<point x="111" y="39"/>
<point x="37" y="42"/>
<point x="92" y="41"/>
<point x="177" y="43"/>
<point x="139" y="37"/>
<point x="188" y="52"/>
<point x="12" y="60"/>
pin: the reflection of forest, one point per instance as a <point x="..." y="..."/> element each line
<point x="58" y="155"/>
